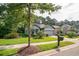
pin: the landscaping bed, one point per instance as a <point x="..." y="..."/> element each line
<point x="24" y="40"/>
<point x="33" y="49"/>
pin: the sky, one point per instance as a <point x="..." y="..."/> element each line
<point x="69" y="10"/>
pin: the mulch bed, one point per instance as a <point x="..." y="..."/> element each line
<point x="28" y="51"/>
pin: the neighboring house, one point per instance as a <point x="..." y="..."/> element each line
<point x="56" y="29"/>
<point x="37" y="27"/>
<point x="49" y="30"/>
<point x="65" y="28"/>
<point x="35" y="30"/>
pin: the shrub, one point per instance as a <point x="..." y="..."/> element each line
<point x="71" y="34"/>
<point x="23" y="34"/>
<point x="46" y="35"/>
<point x="4" y="30"/>
<point x="39" y="35"/>
<point x="12" y="35"/>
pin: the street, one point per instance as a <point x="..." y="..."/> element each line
<point x="70" y="52"/>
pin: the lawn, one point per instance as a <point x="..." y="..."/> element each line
<point x="71" y="38"/>
<point x="42" y="47"/>
<point x="8" y="52"/>
<point x="24" y="40"/>
<point x="45" y="47"/>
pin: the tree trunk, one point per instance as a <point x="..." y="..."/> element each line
<point x="29" y="23"/>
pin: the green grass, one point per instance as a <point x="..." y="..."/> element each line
<point x="77" y="36"/>
<point x="72" y="37"/>
<point x="8" y="52"/>
<point x="24" y="40"/>
<point x="45" y="47"/>
<point x="42" y="47"/>
<point x="66" y="36"/>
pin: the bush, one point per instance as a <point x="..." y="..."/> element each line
<point x="71" y="34"/>
<point x="46" y="35"/>
<point x="11" y="35"/>
<point x="4" y="30"/>
<point x="39" y="35"/>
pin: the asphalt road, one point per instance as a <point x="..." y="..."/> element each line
<point x="70" y="52"/>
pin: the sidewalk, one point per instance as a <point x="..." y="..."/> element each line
<point x="23" y="45"/>
<point x="53" y="52"/>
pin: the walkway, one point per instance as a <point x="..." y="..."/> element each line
<point x="23" y="45"/>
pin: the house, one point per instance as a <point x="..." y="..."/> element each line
<point x="56" y="29"/>
<point x="65" y="28"/>
<point x="37" y="27"/>
<point x="49" y="30"/>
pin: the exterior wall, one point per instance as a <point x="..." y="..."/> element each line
<point x="65" y="28"/>
<point x="48" y="32"/>
<point x="56" y="30"/>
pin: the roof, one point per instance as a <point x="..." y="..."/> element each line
<point x="40" y="25"/>
<point x="35" y="27"/>
<point x="56" y="27"/>
<point x="66" y="25"/>
<point x="48" y="27"/>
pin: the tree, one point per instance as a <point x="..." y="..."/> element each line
<point x="29" y="23"/>
<point x="12" y="15"/>
<point x="50" y="21"/>
<point x="4" y="26"/>
<point x="42" y="8"/>
<point x="66" y="22"/>
<point x="17" y="13"/>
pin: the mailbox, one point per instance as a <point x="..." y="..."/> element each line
<point x="61" y="38"/>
